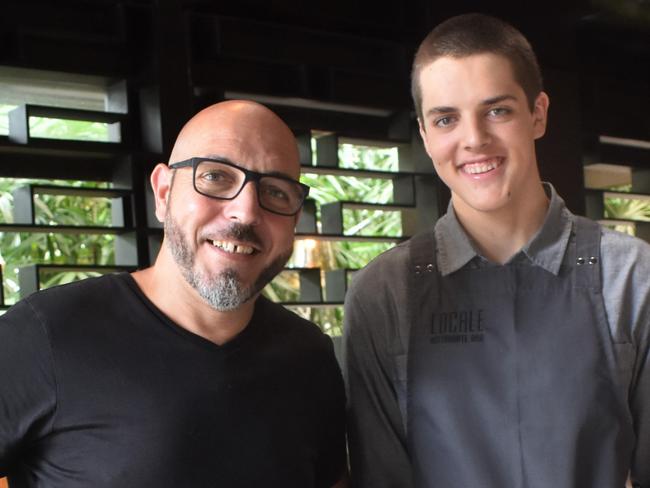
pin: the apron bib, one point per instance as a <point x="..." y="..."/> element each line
<point x="511" y="375"/>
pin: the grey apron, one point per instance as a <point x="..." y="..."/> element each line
<point x="511" y="375"/>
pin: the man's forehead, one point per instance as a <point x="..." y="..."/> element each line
<point x="264" y="156"/>
<point x="244" y="133"/>
<point x="243" y="144"/>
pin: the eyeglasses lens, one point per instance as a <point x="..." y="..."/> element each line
<point x="224" y="181"/>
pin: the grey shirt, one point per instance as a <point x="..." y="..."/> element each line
<point x="376" y="335"/>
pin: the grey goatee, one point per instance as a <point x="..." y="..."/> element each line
<point x="225" y="291"/>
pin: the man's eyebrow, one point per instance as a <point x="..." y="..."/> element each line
<point x="221" y="158"/>
<point x="224" y="159"/>
<point x="443" y="109"/>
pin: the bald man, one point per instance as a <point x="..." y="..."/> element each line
<point x="182" y="375"/>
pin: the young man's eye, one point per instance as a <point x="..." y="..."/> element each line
<point x="442" y="122"/>
<point x="498" y="111"/>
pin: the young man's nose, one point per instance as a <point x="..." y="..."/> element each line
<point x="475" y="134"/>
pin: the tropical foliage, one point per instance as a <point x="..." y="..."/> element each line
<point x="20" y="248"/>
<point x="328" y="255"/>
<point x="627" y="208"/>
<point x="4" y="118"/>
<point x="76" y="130"/>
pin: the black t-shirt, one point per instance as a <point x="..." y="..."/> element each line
<point x="99" y="389"/>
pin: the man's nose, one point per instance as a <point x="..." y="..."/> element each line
<point x="245" y="207"/>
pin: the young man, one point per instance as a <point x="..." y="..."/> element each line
<point x="181" y="374"/>
<point x="507" y="347"/>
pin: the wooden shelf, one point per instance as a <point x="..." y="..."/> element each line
<point x="19" y="130"/>
<point x="332" y="213"/>
<point x="65" y="229"/>
<point x="24" y="211"/>
<point x="65" y="147"/>
<point x="621" y="155"/>
<point x="336" y="283"/>
<point x="29" y="276"/>
<point x="79" y="191"/>
<point x="102" y="268"/>
<point x="362" y="173"/>
<point x="618" y="194"/>
<point x="388" y="207"/>
<point x="311" y="291"/>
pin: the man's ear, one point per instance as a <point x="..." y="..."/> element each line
<point x="540" y="114"/>
<point x="161" y="182"/>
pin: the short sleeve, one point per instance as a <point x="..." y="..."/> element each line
<point x="626" y="292"/>
<point x="27" y="384"/>
<point x="377" y="441"/>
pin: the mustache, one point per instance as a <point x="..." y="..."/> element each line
<point x="238" y="232"/>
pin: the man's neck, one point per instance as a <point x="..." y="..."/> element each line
<point x="168" y="290"/>
<point x="501" y="233"/>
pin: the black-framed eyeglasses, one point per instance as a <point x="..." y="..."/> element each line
<point x="224" y="181"/>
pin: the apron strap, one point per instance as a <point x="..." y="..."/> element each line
<point x="422" y="268"/>
<point x="587" y="258"/>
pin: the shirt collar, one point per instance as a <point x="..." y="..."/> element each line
<point x="546" y="249"/>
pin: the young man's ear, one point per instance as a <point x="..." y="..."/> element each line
<point x="161" y="182"/>
<point x="540" y="114"/>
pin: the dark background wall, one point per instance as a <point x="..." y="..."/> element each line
<point x="177" y="56"/>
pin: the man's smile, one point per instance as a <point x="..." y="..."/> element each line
<point x="233" y="248"/>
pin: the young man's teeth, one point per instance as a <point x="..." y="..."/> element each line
<point x="232" y="248"/>
<point x="479" y="168"/>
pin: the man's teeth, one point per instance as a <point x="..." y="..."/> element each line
<point x="478" y="168"/>
<point x="233" y="248"/>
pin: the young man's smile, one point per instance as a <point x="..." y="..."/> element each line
<point x="477" y="168"/>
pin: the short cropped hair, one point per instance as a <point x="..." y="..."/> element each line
<point x="469" y="34"/>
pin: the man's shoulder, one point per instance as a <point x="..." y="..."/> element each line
<point x="78" y="293"/>
<point x="77" y="300"/>
<point x="65" y="308"/>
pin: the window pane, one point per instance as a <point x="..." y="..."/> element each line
<point x="75" y="130"/>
